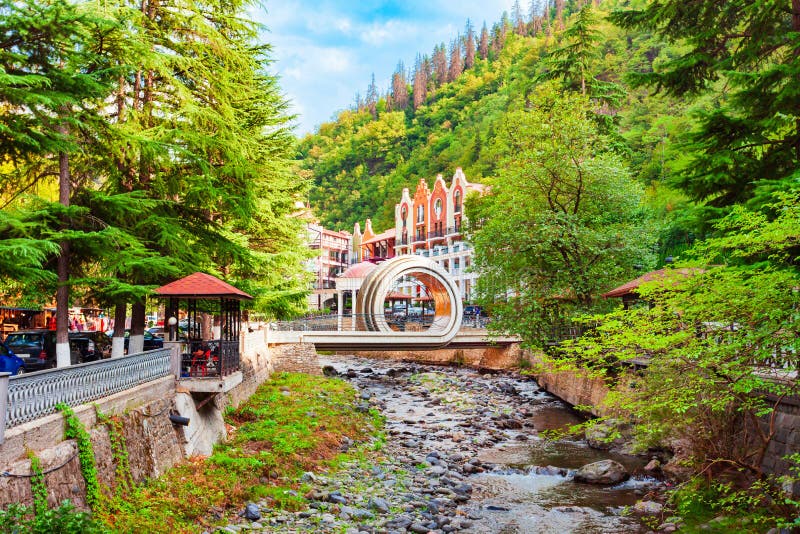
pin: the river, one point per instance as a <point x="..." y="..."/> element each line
<point x="463" y="453"/>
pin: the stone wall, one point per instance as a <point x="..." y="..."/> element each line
<point x="256" y="363"/>
<point x="786" y="440"/>
<point x="295" y="358"/>
<point x="499" y="357"/>
<point x="154" y="445"/>
<point x="575" y="387"/>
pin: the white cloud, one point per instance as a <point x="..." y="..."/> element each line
<point x="326" y="50"/>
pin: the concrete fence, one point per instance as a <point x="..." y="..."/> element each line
<point x="31" y="396"/>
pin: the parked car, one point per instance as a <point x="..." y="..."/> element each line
<point x="90" y="346"/>
<point x="10" y="362"/>
<point x="151" y="341"/>
<point x="162" y="332"/>
<point x="471" y="311"/>
<point x="37" y="348"/>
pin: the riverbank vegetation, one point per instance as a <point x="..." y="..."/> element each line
<point x="293" y="423"/>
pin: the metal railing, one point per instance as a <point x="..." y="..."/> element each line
<point x="398" y="321"/>
<point x="35" y="395"/>
<point x="213" y="358"/>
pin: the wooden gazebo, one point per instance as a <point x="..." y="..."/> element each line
<point x="202" y="292"/>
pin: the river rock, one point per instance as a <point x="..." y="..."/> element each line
<point x="648" y="508"/>
<point x="602" y="472"/>
<point x="599" y="435"/>
<point x="376" y="503"/>
<point x="652" y="465"/>
<point x="252" y="512"/>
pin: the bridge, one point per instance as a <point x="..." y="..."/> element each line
<point x="372" y="328"/>
<point x="329" y="333"/>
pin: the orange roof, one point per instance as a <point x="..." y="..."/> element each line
<point x="630" y="287"/>
<point x="359" y="270"/>
<point x="396" y="295"/>
<point x="201" y="285"/>
<point x="388" y="234"/>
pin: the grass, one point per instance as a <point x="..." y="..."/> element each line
<point x="293" y="423"/>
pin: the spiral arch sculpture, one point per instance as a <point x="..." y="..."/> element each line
<point x="446" y="297"/>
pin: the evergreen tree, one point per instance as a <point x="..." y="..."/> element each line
<point x="420" y="86"/>
<point x="517" y="19"/>
<point x="483" y="45"/>
<point x="371" y="100"/>
<point x="469" y="46"/>
<point x="574" y="60"/>
<point x="439" y="61"/>
<point x="52" y="81"/>
<point x="748" y="142"/>
<point x="456" y="64"/>
<point x="399" y="94"/>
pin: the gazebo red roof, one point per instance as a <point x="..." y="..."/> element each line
<point x="633" y="285"/>
<point x="396" y="295"/>
<point x="201" y="285"/>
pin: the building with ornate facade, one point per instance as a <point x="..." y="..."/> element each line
<point x="427" y="224"/>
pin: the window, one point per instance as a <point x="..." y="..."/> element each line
<point x="437" y="207"/>
<point x="404" y="216"/>
<point x="457" y="202"/>
<point x="420" y="214"/>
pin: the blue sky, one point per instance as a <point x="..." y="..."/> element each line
<point x="326" y="51"/>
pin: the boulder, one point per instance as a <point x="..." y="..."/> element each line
<point x="648" y="508"/>
<point x="599" y="435"/>
<point x="602" y="472"/>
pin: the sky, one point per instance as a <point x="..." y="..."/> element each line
<point x="326" y="51"/>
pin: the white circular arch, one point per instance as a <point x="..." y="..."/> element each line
<point x="448" y="309"/>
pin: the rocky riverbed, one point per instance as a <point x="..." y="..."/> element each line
<point x="462" y="453"/>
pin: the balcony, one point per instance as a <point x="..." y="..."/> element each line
<point x="436" y="234"/>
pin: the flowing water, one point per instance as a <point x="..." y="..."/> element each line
<point x="486" y="428"/>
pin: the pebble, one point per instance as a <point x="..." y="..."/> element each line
<point x="421" y="480"/>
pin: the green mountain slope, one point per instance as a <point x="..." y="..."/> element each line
<point x="360" y="162"/>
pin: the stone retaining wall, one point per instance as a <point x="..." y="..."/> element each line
<point x="575" y="387"/>
<point x="786" y="441"/>
<point x="154" y="445"/>
<point x="295" y="358"/>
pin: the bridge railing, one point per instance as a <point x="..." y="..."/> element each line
<point x="35" y="395"/>
<point x="347" y="323"/>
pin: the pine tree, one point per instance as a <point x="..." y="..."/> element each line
<point x="575" y="59"/>
<point x="456" y="64"/>
<point x="371" y="101"/>
<point x="51" y="85"/>
<point x="517" y="19"/>
<point x="420" y="85"/>
<point x="483" y="45"/>
<point x="439" y="61"/>
<point x="469" y="46"/>
<point x="748" y="142"/>
<point x="399" y="94"/>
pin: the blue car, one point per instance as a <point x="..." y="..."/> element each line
<point x="10" y="362"/>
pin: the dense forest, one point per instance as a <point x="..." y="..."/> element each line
<point x="446" y="110"/>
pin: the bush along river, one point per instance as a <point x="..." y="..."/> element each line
<point x="462" y="452"/>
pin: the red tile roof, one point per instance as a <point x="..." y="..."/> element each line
<point x="387" y="235"/>
<point x="359" y="270"/>
<point x="630" y="287"/>
<point x="201" y="285"/>
<point x="396" y="295"/>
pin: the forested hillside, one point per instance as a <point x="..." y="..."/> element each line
<point x="446" y="111"/>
